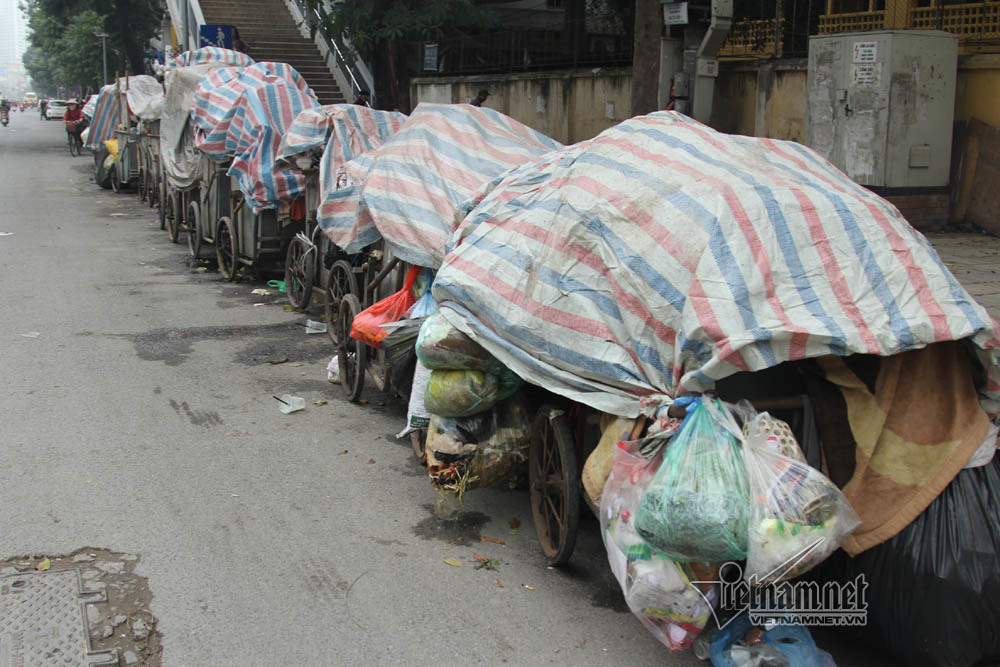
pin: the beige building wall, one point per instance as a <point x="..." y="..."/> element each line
<point x="568" y="106"/>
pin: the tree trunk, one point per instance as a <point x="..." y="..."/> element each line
<point x="646" y="58"/>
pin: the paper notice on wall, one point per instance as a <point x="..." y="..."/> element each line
<point x="864" y="75"/>
<point x="865" y="52"/>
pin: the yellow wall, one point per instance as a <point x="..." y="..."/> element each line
<point x="978" y="89"/>
<point x="567" y="106"/>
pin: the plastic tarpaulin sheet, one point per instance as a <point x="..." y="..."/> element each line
<point x="105" y="117"/>
<point x="662" y="256"/>
<point x="242" y="114"/>
<point x="210" y="54"/>
<point x="145" y="97"/>
<point x="88" y="108"/>
<point x="414" y="184"/>
<point x="181" y="161"/>
<point x="347" y="130"/>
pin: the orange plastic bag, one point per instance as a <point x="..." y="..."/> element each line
<point x="367" y="326"/>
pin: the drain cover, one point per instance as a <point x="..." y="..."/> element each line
<point x="43" y="621"/>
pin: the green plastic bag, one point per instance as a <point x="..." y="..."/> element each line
<point x="697" y="507"/>
<point x="441" y="346"/>
<point x="460" y="393"/>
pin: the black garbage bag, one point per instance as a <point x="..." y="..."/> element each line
<point x="934" y="589"/>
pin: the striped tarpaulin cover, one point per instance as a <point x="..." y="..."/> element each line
<point x="347" y="130"/>
<point x="242" y="113"/>
<point x="662" y="256"/>
<point x="412" y="186"/>
<point x="88" y="108"/>
<point x="104" y="118"/>
<point x="210" y="54"/>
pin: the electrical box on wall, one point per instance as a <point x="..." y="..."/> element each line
<point x="881" y="105"/>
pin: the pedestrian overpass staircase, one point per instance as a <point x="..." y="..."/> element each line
<point x="272" y="33"/>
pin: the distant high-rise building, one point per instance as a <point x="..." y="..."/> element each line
<point x="13" y="33"/>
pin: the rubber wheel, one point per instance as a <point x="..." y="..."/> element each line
<point x="172" y="206"/>
<point x="554" y="482"/>
<point x="353" y="354"/>
<point x="192" y="229"/>
<point x="162" y="210"/>
<point x="143" y="184"/>
<point x="152" y="189"/>
<point x="226" y="250"/>
<point x="116" y="185"/>
<point x="300" y="273"/>
<point x="339" y="283"/>
<point x="74" y="148"/>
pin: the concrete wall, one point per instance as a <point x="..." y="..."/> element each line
<point x="568" y="106"/>
<point x="764" y="99"/>
<point x="978" y="89"/>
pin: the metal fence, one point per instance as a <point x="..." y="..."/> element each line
<point x="565" y="44"/>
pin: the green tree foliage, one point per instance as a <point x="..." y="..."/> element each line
<point x="63" y="47"/>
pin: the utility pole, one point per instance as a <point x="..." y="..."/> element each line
<point x="104" y="54"/>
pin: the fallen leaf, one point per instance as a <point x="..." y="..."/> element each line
<point x="343" y="452"/>
<point x="371" y="461"/>
<point x="499" y="585"/>
<point x="377" y="437"/>
<point x="514" y="523"/>
<point x="491" y="539"/>
<point x="275" y="362"/>
<point x="530" y="588"/>
<point x="453" y="562"/>
<point x="296" y="363"/>
<point x="319" y="401"/>
<point x="363" y="401"/>
<point x="513" y="531"/>
<point x="261" y="292"/>
<point x="44" y="565"/>
<point x="481" y="559"/>
<point x="302" y="373"/>
<point x="201" y="269"/>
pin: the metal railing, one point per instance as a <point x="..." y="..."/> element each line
<point x="527" y="49"/>
<point x="976" y="23"/>
<point x="354" y="72"/>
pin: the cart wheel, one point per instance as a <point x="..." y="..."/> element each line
<point x="116" y="185"/>
<point x="226" y="250"/>
<point x="339" y="283"/>
<point x="152" y="189"/>
<point x="300" y="272"/>
<point x="555" y="485"/>
<point x="162" y="209"/>
<point x="192" y="225"/>
<point x="174" y="215"/>
<point x="353" y="354"/>
<point x="143" y="184"/>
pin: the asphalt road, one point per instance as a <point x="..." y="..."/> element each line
<point x="140" y="420"/>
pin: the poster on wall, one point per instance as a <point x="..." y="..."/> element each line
<point x="430" y="56"/>
<point x="675" y="13"/>
<point x="865" y="52"/>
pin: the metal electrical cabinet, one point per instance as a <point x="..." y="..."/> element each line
<point x="881" y="105"/>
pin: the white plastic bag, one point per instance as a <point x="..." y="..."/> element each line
<point x="333" y="370"/>
<point x="798" y="517"/>
<point x="417" y="416"/>
<point x="657" y="589"/>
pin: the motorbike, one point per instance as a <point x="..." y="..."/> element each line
<point x="4" y="117"/>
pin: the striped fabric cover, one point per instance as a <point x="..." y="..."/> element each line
<point x="210" y="54"/>
<point x="354" y="130"/>
<point x="412" y="186"/>
<point x="662" y="256"/>
<point x="88" y="108"/>
<point x="104" y="118"/>
<point x="242" y="113"/>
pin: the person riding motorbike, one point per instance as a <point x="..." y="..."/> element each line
<point x="4" y="111"/>
<point x="75" y="122"/>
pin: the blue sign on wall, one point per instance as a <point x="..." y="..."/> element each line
<point x="214" y="34"/>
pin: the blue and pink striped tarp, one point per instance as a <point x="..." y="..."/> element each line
<point x="412" y="187"/>
<point x="242" y="114"/>
<point x="662" y="256"/>
<point x="345" y="131"/>
<point x="210" y="54"/>
<point x="105" y="117"/>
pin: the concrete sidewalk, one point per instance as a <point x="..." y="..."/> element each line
<point x="975" y="261"/>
